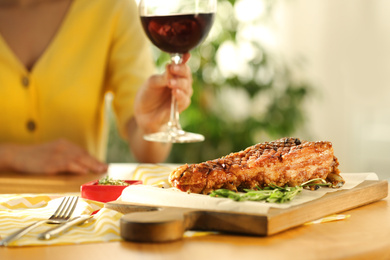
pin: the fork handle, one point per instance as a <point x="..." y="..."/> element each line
<point x="62" y="228"/>
<point x="21" y="232"/>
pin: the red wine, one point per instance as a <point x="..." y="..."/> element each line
<point x="177" y="33"/>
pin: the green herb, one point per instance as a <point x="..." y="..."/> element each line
<point x="109" y="181"/>
<point x="272" y="193"/>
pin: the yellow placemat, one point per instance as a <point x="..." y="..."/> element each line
<point x="18" y="211"/>
<point x="149" y="174"/>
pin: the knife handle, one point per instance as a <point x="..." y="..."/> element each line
<point x="21" y="232"/>
<point x="60" y="229"/>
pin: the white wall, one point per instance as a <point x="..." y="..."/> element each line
<point x="347" y="47"/>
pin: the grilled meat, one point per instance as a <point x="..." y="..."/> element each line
<point x="287" y="161"/>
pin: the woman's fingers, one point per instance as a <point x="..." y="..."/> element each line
<point x="179" y="70"/>
<point x="75" y="159"/>
<point x="88" y="163"/>
<point x="77" y="168"/>
<point x="180" y="77"/>
<point x="181" y="84"/>
<point x="183" y="100"/>
<point x="186" y="57"/>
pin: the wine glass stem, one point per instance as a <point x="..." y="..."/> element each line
<point x="174" y="123"/>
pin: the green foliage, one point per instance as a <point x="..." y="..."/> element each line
<point x="237" y="109"/>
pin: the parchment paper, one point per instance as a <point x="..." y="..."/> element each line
<point x="151" y="195"/>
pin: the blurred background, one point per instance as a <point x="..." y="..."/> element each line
<point x="313" y="69"/>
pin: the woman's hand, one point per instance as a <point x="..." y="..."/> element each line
<point x="152" y="108"/>
<point x="153" y="101"/>
<point x="60" y="156"/>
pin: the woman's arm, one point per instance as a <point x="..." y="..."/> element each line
<point x="60" y="156"/>
<point x="145" y="151"/>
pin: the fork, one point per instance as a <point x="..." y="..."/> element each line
<point x="62" y="214"/>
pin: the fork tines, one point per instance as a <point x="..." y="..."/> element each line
<point x="66" y="208"/>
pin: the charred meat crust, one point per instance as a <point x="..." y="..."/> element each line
<point x="287" y="161"/>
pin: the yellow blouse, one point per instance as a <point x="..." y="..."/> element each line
<point x="99" y="48"/>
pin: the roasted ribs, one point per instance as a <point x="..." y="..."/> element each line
<point x="287" y="161"/>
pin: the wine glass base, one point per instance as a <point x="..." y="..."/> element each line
<point x="174" y="137"/>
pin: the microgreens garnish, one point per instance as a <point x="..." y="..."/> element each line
<point x="109" y="181"/>
<point x="272" y="193"/>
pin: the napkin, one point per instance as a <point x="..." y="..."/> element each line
<point x="18" y="211"/>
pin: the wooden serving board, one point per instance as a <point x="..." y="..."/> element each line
<point x="149" y="223"/>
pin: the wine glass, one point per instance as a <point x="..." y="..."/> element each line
<point x="176" y="27"/>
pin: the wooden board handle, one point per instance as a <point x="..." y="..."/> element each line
<point x="161" y="225"/>
<point x="168" y="223"/>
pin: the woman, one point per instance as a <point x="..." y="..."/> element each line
<point x="58" y="60"/>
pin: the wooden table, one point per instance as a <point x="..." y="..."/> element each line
<point x="365" y="235"/>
